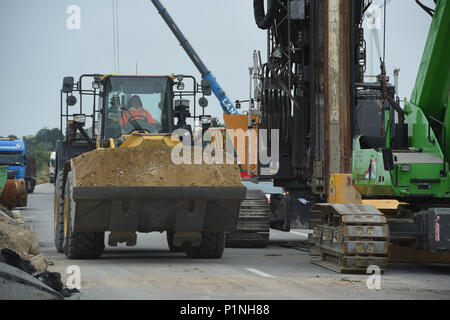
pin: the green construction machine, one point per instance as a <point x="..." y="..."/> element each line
<point x="408" y="165"/>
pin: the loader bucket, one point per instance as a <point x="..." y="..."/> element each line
<point x="147" y="209"/>
<point x="140" y="189"/>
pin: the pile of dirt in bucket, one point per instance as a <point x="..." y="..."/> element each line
<point x="148" y="166"/>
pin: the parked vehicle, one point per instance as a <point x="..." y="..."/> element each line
<point x="52" y="166"/>
<point x="21" y="175"/>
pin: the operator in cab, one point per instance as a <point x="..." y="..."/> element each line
<point x="137" y="112"/>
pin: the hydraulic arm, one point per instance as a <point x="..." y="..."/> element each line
<point x="432" y="86"/>
<point x="225" y="102"/>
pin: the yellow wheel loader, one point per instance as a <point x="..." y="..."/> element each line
<point x="118" y="169"/>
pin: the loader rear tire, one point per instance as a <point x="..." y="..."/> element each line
<point x="80" y="245"/>
<point x="172" y="247"/>
<point x="211" y="247"/>
<point x="59" y="213"/>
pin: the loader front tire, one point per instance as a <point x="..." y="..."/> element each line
<point x="79" y="245"/>
<point x="59" y="213"/>
<point x="211" y="247"/>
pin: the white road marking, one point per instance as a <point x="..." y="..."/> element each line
<point x="260" y="273"/>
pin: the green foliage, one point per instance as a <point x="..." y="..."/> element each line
<point x="45" y="139"/>
<point x="40" y="146"/>
<point x="215" y="123"/>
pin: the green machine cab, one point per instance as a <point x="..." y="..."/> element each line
<point x="412" y="161"/>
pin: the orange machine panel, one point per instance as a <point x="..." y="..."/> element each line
<point x="238" y="131"/>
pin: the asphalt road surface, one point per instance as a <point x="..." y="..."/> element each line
<point x="150" y="271"/>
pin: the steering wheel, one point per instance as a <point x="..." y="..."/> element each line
<point x="149" y="128"/>
<point x="141" y="117"/>
<point x="129" y="127"/>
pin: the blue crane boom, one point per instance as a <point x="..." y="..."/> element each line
<point x="226" y="104"/>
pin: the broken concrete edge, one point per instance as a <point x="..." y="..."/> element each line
<point x="13" y="274"/>
<point x="15" y="277"/>
<point x="7" y="212"/>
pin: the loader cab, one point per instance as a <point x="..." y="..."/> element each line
<point x="148" y="105"/>
<point x="132" y="104"/>
<point x="103" y="110"/>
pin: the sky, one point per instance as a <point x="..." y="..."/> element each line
<point x="38" y="49"/>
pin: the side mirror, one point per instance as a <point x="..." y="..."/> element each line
<point x="206" y="87"/>
<point x="68" y="85"/>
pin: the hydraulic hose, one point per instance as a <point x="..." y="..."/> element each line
<point x="264" y="20"/>
<point x="425" y="8"/>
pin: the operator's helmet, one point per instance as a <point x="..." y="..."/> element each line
<point x="135" y="102"/>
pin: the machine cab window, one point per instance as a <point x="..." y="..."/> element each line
<point x="137" y="104"/>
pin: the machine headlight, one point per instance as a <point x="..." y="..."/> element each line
<point x="180" y="86"/>
<point x="95" y="85"/>
<point x="206" y="120"/>
<point x="79" y="118"/>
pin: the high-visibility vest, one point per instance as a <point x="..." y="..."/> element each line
<point x="140" y="114"/>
